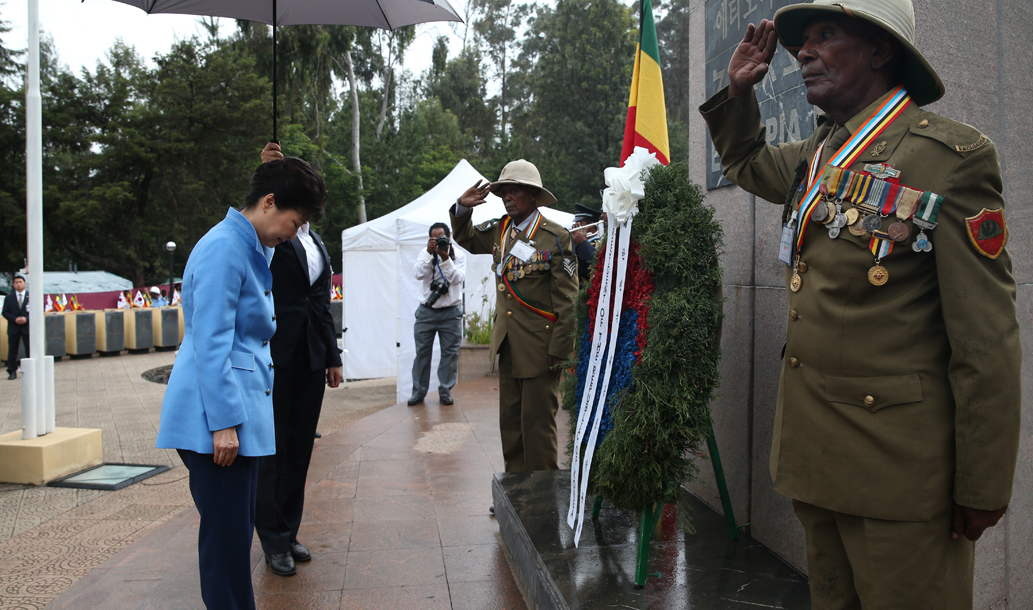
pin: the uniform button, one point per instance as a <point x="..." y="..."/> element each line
<point x="270" y="365"/>
<point x="264" y="343"/>
<point x="869" y="400"/>
<point x="509" y="313"/>
<point x="793" y="362"/>
<point x="509" y="296"/>
<point x="922" y="125"/>
<point x="803" y="267"/>
<point x="546" y="327"/>
<point x="793" y="315"/>
<point x="268" y="391"/>
<point x="267" y="292"/>
<point x="274" y="318"/>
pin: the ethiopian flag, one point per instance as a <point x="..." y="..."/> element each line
<point x="647" y="113"/>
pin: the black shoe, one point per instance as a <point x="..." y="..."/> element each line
<point x="12" y="375"/>
<point x="300" y="553"/>
<point x="445" y="398"/>
<point x="491" y="509"/>
<point x="318" y="435"/>
<point x="415" y="399"/>
<point x="281" y="564"/>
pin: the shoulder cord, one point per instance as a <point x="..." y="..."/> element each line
<point x="801" y="173"/>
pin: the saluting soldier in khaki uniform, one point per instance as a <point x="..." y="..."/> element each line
<point x="536" y="280"/>
<point x="897" y="423"/>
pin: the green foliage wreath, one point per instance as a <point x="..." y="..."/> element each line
<point x="662" y="416"/>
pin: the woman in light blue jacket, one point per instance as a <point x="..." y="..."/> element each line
<point x="218" y="408"/>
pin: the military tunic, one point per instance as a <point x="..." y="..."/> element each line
<point x="894" y="400"/>
<point x="524" y="339"/>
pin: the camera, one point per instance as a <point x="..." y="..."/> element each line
<point x="442" y="242"/>
<point x="437" y="288"/>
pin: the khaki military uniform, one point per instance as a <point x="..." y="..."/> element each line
<point x="895" y="401"/>
<point x="524" y="340"/>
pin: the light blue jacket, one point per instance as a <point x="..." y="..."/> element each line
<point x="223" y="375"/>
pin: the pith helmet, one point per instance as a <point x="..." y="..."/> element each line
<point x="895" y="16"/>
<point x="525" y="173"/>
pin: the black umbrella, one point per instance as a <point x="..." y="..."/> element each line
<point x="384" y="14"/>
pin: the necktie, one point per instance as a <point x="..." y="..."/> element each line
<point x="20" y="300"/>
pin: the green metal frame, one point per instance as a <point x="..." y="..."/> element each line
<point x="650" y="516"/>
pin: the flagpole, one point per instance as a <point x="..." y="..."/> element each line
<point x="33" y="374"/>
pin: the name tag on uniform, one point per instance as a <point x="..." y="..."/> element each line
<point x="785" y="247"/>
<point x="522" y="251"/>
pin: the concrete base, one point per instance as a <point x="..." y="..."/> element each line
<point x="473" y="362"/>
<point x="46" y="458"/>
<point x="704" y="570"/>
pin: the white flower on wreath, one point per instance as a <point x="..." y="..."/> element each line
<point x="626" y="185"/>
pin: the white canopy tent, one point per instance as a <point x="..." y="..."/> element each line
<point x="380" y="292"/>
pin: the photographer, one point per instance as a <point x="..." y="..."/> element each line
<point x="442" y="271"/>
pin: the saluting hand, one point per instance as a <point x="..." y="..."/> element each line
<point x="475" y="195"/>
<point x="226" y="446"/>
<point x="751" y="59"/>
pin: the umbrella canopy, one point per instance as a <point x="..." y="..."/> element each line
<point x="384" y="14"/>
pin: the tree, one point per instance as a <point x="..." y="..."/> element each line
<point x="168" y="150"/>
<point x="12" y="155"/>
<point x="498" y="25"/>
<point x="579" y="58"/>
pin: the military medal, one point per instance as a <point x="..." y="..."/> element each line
<point x="898" y="231"/>
<point x="881" y="245"/>
<point x="878" y="275"/>
<point x="502" y="287"/>
<point x="849" y="186"/>
<point x="858" y="230"/>
<point x="926" y="212"/>
<point x="796" y="282"/>
<point x="820" y="213"/>
<point x="872" y="223"/>
<point x="852" y="215"/>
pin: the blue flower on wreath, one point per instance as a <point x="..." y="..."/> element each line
<point x="620" y="377"/>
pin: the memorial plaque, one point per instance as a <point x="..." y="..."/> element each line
<point x="166" y="327"/>
<point x="54" y="327"/>
<point x="80" y="333"/>
<point x="781" y="95"/>
<point x="111" y="338"/>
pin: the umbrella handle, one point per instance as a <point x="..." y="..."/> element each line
<point x="274" y="73"/>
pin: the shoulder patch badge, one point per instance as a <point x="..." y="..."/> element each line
<point x="982" y="141"/>
<point x="987" y="232"/>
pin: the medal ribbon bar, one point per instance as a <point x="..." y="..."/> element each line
<point x="851" y="150"/>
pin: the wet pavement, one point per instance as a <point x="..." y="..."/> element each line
<point x="704" y="570"/>
<point x="52" y="537"/>
<point x="396" y="516"/>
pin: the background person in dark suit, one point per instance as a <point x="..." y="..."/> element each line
<point x="16" y="310"/>
<point x="305" y="360"/>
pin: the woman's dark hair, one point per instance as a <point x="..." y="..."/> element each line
<point x="293" y="184"/>
<point x="440" y="225"/>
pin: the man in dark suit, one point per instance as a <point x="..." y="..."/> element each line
<point x="16" y="310"/>
<point x="305" y="360"/>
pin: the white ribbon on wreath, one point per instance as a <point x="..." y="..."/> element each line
<point x="625" y="188"/>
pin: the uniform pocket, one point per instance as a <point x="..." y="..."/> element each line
<point x="874" y="393"/>
<point x="242" y="360"/>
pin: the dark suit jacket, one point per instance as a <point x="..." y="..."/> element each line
<point x="302" y="309"/>
<point x="12" y="311"/>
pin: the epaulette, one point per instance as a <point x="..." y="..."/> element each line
<point x="959" y="137"/>
<point x="552" y="227"/>
<point x="487" y="225"/>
